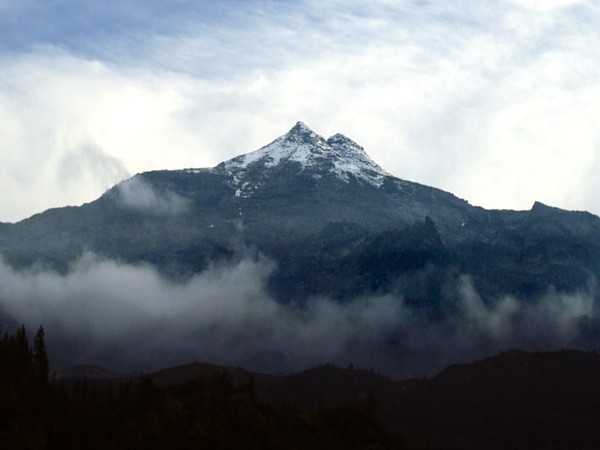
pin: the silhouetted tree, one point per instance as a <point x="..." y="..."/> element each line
<point x="40" y="359"/>
<point x="209" y="411"/>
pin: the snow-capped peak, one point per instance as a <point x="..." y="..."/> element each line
<point x="299" y="144"/>
<point x="306" y="150"/>
<point x="354" y="156"/>
<point x="337" y="155"/>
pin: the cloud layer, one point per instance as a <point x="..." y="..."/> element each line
<point x="130" y="318"/>
<point x="496" y="102"/>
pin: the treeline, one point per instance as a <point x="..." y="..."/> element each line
<point x="37" y="411"/>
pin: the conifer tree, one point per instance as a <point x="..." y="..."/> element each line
<point x="40" y="358"/>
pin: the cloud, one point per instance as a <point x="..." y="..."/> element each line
<point x="61" y="115"/>
<point x="135" y="193"/>
<point x="130" y="318"/>
<point x="546" y="5"/>
<point x="549" y="322"/>
<point x="89" y="162"/>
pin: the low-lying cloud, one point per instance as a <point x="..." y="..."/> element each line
<point x="131" y="318"/>
<point x="136" y="194"/>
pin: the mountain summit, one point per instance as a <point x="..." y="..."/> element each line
<point x="301" y="149"/>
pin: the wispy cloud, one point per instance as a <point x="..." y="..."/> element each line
<point x="546" y="5"/>
<point x="136" y="194"/>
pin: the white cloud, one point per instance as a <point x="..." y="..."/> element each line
<point x="60" y="113"/>
<point x="135" y="193"/>
<point x="131" y="318"/>
<point x="546" y="5"/>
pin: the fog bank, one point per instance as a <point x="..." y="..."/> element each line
<point x="128" y="317"/>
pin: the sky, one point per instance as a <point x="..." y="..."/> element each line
<point x="497" y="102"/>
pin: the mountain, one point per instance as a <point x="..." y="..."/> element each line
<point x="335" y="223"/>
<point x="512" y="400"/>
<point x="515" y="399"/>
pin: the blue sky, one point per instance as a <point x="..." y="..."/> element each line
<point x="497" y="102"/>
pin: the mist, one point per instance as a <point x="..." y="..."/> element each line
<point x="136" y="194"/>
<point x="130" y="318"/>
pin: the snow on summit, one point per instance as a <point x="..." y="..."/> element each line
<point x="338" y="155"/>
